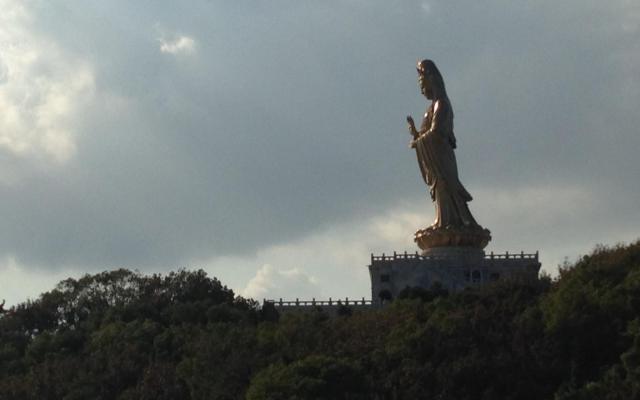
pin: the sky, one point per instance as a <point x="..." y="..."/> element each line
<point x="265" y="141"/>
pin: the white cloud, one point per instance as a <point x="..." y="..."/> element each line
<point x="327" y="263"/>
<point x="180" y="44"/>
<point x="19" y="283"/>
<point x="270" y="281"/>
<point x="529" y="218"/>
<point x="42" y="89"/>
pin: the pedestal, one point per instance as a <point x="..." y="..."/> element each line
<point x="475" y="237"/>
<point x="454" y="268"/>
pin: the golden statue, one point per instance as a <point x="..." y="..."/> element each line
<point x="434" y="143"/>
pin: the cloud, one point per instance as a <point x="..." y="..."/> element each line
<point x="270" y="281"/>
<point x="42" y="90"/>
<point x="181" y="44"/>
<point x="526" y="218"/>
<point x="331" y="262"/>
<point x="250" y="156"/>
<point x="19" y="283"/>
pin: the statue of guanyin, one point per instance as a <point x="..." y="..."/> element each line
<point x="434" y="143"/>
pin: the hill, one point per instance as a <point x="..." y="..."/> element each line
<point x="124" y="335"/>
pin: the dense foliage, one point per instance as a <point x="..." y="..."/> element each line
<point x="123" y="335"/>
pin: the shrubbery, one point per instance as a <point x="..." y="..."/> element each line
<point x="123" y="335"/>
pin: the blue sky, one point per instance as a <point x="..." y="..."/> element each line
<point x="265" y="142"/>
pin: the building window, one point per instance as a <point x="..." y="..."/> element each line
<point x="467" y="276"/>
<point x="494" y="276"/>
<point x="385" y="278"/>
<point x="476" y="276"/>
<point x="385" y="297"/>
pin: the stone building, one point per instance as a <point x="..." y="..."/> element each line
<point x="452" y="268"/>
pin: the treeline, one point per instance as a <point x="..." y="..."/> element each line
<point x="123" y="335"/>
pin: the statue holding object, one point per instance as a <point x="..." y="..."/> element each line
<point x="434" y="142"/>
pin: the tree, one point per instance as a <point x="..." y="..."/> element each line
<point x="314" y="378"/>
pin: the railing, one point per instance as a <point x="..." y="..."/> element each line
<point x="417" y="256"/>
<point x="314" y="302"/>
<point x="506" y="255"/>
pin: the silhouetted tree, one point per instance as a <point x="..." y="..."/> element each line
<point x="123" y="335"/>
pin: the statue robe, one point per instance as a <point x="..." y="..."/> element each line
<point x="437" y="161"/>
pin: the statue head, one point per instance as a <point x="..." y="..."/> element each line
<point x="430" y="80"/>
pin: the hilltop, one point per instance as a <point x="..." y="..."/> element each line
<point x="184" y="335"/>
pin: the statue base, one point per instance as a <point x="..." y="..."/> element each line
<point x="475" y="237"/>
<point x="451" y="268"/>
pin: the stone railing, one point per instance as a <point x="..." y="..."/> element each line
<point x="417" y="256"/>
<point x="319" y="303"/>
<point x="521" y="255"/>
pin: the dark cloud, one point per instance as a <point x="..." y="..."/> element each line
<point x="289" y="117"/>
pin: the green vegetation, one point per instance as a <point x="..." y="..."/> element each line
<point x="122" y="335"/>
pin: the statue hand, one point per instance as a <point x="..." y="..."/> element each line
<point x="412" y="127"/>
